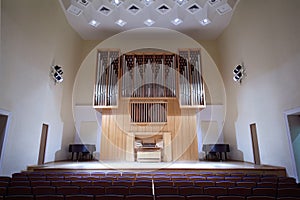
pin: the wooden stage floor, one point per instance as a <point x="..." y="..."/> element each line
<point x="199" y="166"/>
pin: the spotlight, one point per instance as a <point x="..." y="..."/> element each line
<point x="238" y="73"/>
<point x="57" y="73"/>
<point x="237" y="69"/>
<point x="116" y="2"/>
<point x="181" y="2"/>
<point x="83" y="2"/>
<point x="148" y="2"/>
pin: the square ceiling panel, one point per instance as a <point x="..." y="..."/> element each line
<point x="193" y="8"/>
<point x="134" y="9"/>
<point x="163" y="9"/>
<point x="104" y="10"/>
<point x="74" y="10"/>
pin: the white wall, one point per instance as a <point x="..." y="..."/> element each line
<point x="35" y="35"/>
<point x="265" y="37"/>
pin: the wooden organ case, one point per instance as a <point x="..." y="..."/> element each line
<point x="148" y="102"/>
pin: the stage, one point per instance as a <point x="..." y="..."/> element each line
<point x="199" y="166"/>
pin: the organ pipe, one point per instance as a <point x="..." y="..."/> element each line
<point x="149" y="76"/>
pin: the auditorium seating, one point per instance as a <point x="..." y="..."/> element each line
<point x="150" y="185"/>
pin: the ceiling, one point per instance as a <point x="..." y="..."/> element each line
<point x="135" y="13"/>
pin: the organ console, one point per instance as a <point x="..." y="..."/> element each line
<point x="81" y="150"/>
<point x="216" y="149"/>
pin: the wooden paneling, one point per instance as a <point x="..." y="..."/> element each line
<point x="116" y="125"/>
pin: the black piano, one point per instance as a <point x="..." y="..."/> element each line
<point x="82" y="151"/>
<point x="216" y="151"/>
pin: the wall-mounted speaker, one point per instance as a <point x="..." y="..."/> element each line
<point x="57" y="72"/>
<point x="238" y="73"/>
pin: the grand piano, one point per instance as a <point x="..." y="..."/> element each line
<point x="82" y="151"/>
<point x="216" y="151"/>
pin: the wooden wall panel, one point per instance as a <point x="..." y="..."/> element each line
<point x="116" y="127"/>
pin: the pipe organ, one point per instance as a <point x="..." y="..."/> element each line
<point x="106" y="87"/>
<point x="148" y="112"/>
<point x="148" y="92"/>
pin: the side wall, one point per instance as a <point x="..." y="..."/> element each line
<point x="35" y="36"/>
<point x="265" y="38"/>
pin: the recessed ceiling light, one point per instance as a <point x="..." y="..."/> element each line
<point x="163" y="9"/>
<point x="116" y="2"/>
<point x="176" y="21"/>
<point x="121" y="22"/>
<point x="205" y="21"/>
<point x="147" y="2"/>
<point x="74" y="10"/>
<point x="213" y="2"/>
<point x="85" y="3"/>
<point x="134" y="9"/>
<point x="181" y="2"/>
<point x="94" y="23"/>
<point x="223" y="9"/>
<point x="105" y="10"/>
<point x="194" y="8"/>
<point x="149" y="22"/>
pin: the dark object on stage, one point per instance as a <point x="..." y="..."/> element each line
<point x="82" y="150"/>
<point x="216" y="150"/>
<point x="149" y="144"/>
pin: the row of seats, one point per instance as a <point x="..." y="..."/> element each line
<point x="163" y="190"/>
<point x="140" y="197"/>
<point x="137" y="174"/>
<point x="159" y="185"/>
<point x="156" y="183"/>
<point x="192" y="178"/>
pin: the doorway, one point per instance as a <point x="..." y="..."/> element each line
<point x="42" y="151"/>
<point x="292" y="118"/>
<point x="4" y="127"/>
<point x="255" y="144"/>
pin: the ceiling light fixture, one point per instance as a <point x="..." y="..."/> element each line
<point x="223" y="9"/>
<point x="147" y="2"/>
<point x="117" y="3"/>
<point x="205" y="21"/>
<point x="213" y="2"/>
<point x="94" y="23"/>
<point x="176" y="21"/>
<point x="181" y="2"/>
<point x="121" y="22"/>
<point x="85" y="3"/>
<point x="149" y="22"/>
<point x="74" y="10"/>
